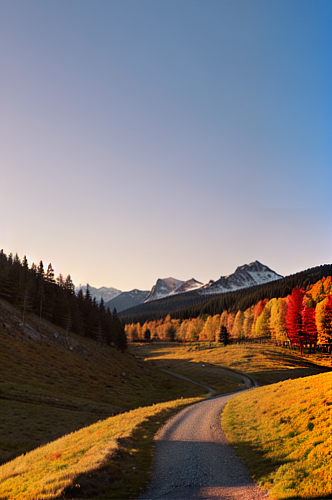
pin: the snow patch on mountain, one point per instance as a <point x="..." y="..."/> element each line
<point x="188" y="286"/>
<point x="245" y="276"/>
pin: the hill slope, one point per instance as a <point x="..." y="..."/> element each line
<point x="51" y="384"/>
<point x="283" y="434"/>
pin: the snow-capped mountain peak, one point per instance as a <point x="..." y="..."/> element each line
<point x="244" y="276"/>
<point x="162" y="288"/>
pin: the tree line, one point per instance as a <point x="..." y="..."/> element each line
<point x="35" y="289"/>
<point x="302" y="318"/>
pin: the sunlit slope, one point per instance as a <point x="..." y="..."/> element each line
<point x="51" y="385"/>
<point x="283" y="433"/>
<point x="99" y="461"/>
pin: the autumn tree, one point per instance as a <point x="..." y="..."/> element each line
<point x="278" y="321"/>
<point x="309" y="326"/>
<point x="238" y="326"/>
<point x="207" y="333"/>
<point x="294" y="321"/>
<point x="230" y="324"/>
<point x="247" y="322"/>
<point x="324" y="321"/>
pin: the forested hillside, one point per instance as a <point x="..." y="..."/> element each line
<point x="36" y="289"/>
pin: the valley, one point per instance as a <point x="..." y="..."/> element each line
<point x="83" y="396"/>
<point x="53" y="392"/>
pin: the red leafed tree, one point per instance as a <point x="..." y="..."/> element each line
<point x="294" y="322"/>
<point x="309" y="325"/>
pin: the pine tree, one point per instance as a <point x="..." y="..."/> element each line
<point x="49" y="276"/>
<point x="223" y="335"/>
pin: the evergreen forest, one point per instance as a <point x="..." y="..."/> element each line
<point x="35" y="289"/>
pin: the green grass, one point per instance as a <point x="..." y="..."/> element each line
<point x="283" y="434"/>
<point x="109" y="459"/>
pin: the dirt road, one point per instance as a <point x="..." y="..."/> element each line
<point x="194" y="461"/>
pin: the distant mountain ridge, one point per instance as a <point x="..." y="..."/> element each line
<point x="105" y="293"/>
<point x="125" y="300"/>
<point x="244" y="276"/>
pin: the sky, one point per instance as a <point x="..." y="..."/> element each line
<point x="145" y="139"/>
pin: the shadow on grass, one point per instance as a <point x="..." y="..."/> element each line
<point x="261" y="466"/>
<point x="125" y="473"/>
<point x="274" y="376"/>
<point x="211" y="374"/>
<point x="255" y="460"/>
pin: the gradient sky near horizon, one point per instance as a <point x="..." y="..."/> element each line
<point x="144" y="139"/>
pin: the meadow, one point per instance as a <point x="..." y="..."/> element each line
<point x="266" y="363"/>
<point x="283" y="434"/>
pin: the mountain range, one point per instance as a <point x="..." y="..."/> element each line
<point x="103" y="292"/>
<point x="244" y="276"/>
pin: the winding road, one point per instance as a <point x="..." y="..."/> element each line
<point x="194" y="461"/>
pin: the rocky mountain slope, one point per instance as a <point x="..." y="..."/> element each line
<point x="170" y="286"/>
<point x="125" y="300"/>
<point x="244" y="276"/>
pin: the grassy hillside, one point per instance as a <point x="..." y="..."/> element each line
<point x="110" y="459"/>
<point x="266" y="363"/>
<point x="51" y="385"/>
<point x="283" y="434"/>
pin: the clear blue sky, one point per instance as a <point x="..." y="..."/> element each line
<point x="144" y="139"/>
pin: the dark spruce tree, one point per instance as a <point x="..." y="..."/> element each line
<point x="223" y="335"/>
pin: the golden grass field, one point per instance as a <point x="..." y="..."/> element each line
<point x="264" y="362"/>
<point x="283" y="433"/>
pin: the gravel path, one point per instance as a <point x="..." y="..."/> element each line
<point x="194" y="461"/>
